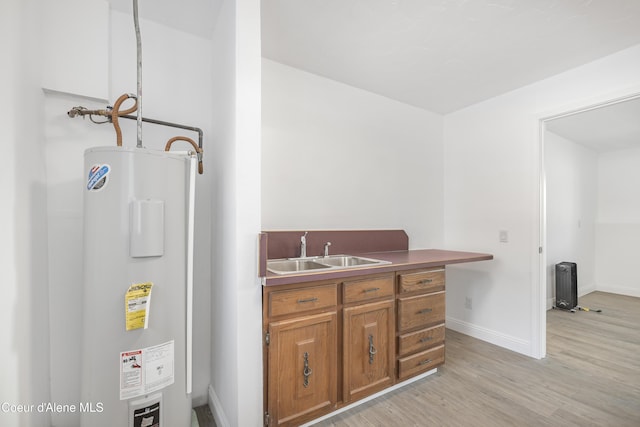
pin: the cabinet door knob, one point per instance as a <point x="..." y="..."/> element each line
<point x="424" y="362"/>
<point x="371" y="290"/>
<point x="425" y="281"/>
<point x="306" y="373"/>
<point x="425" y="311"/>
<point x="372" y="350"/>
<point x="302" y="301"/>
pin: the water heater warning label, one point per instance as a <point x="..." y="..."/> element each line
<point x="130" y="372"/>
<point x="137" y="303"/>
<point x="146" y="370"/>
<point x="98" y="177"/>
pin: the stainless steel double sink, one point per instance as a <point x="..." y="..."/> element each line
<point x="320" y="263"/>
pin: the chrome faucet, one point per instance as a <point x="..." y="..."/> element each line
<point x="326" y="248"/>
<point x="303" y="245"/>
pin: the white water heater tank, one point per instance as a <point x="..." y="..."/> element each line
<point x="136" y="367"/>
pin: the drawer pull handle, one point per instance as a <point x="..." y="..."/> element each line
<point x="372" y="350"/>
<point x="307" y="370"/>
<point x="371" y="290"/>
<point x="425" y="311"/>
<point x="425" y="339"/>
<point x="425" y="281"/>
<point x="302" y="301"/>
<point x="424" y="362"/>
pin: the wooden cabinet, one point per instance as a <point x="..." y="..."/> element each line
<point x="368" y="337"/>
<point x="420" y="310"/>
<point x="301" y="350"/>
<point x="418" y="363"/>
<point x="421" y="315"/>
<point x="412" y="342"/>
<point x="291" y="302"/>
<point x="331" y="343"/>
<point x="302" y="368"/>
<point x="430" y="280"/>
<point x="368" y="289"/>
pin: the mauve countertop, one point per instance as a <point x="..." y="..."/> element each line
<point x="400" y="260"/>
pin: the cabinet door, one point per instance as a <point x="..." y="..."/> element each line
<point x="302" y="368"/>
<point x="368" y="349"/>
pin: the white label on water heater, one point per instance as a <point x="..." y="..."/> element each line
<point x="147" y="370"/>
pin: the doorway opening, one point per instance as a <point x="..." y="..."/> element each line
<point x="578" y="154"/>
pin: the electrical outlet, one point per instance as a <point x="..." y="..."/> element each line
<point x="468" y="303"/>
<point x="503" y="236"/>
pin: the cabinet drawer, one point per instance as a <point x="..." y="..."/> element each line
<point x="368" y="289"/>
<point x="300" y="300"/>
<point x="426" y="281"/>
<point x="420" y="340"/>
<point x="420" y="362"/>
<point x="421" y="310"/>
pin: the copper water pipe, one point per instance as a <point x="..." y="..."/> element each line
<point x="195" y="147"/>
<point x="115" y="113"/>
<point x="82" y="111"/>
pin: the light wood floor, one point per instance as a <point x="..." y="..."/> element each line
<point x="590" y="377"/>
<point x="205" y="417"/>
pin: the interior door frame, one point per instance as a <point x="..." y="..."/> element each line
<point x="539" y="345"/>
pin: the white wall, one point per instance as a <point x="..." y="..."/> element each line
<point x="235" y="394"/>
<point x="76" y="32"/>
<point x="24" y="311"/>
<point x="491" y="179"/>
<point x="337" y="157"/>
<point x="618" y="222"/>
<point x="175" y="75"/>
<point x="593" y="211"/>
<point x="492" y="183"/>
<point x="571" y="173"/>
<point x="41" y="181"/>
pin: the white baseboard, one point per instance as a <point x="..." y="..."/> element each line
<point x="612" y="289"/>
<point x="621" y="290"/>
<point x="584" y="290"/>
<point x="510" y="343"/>
<point x="550" y="303"/>
<point x="216" y="409"/>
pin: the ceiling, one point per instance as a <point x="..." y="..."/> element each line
<point x="444" y="55"/>
<point x="610" y="128"/>
<point x="439" y="55"/>
<point x="196" y="17"/>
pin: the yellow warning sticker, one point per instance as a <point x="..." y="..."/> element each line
<point x="137" y="301"/>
